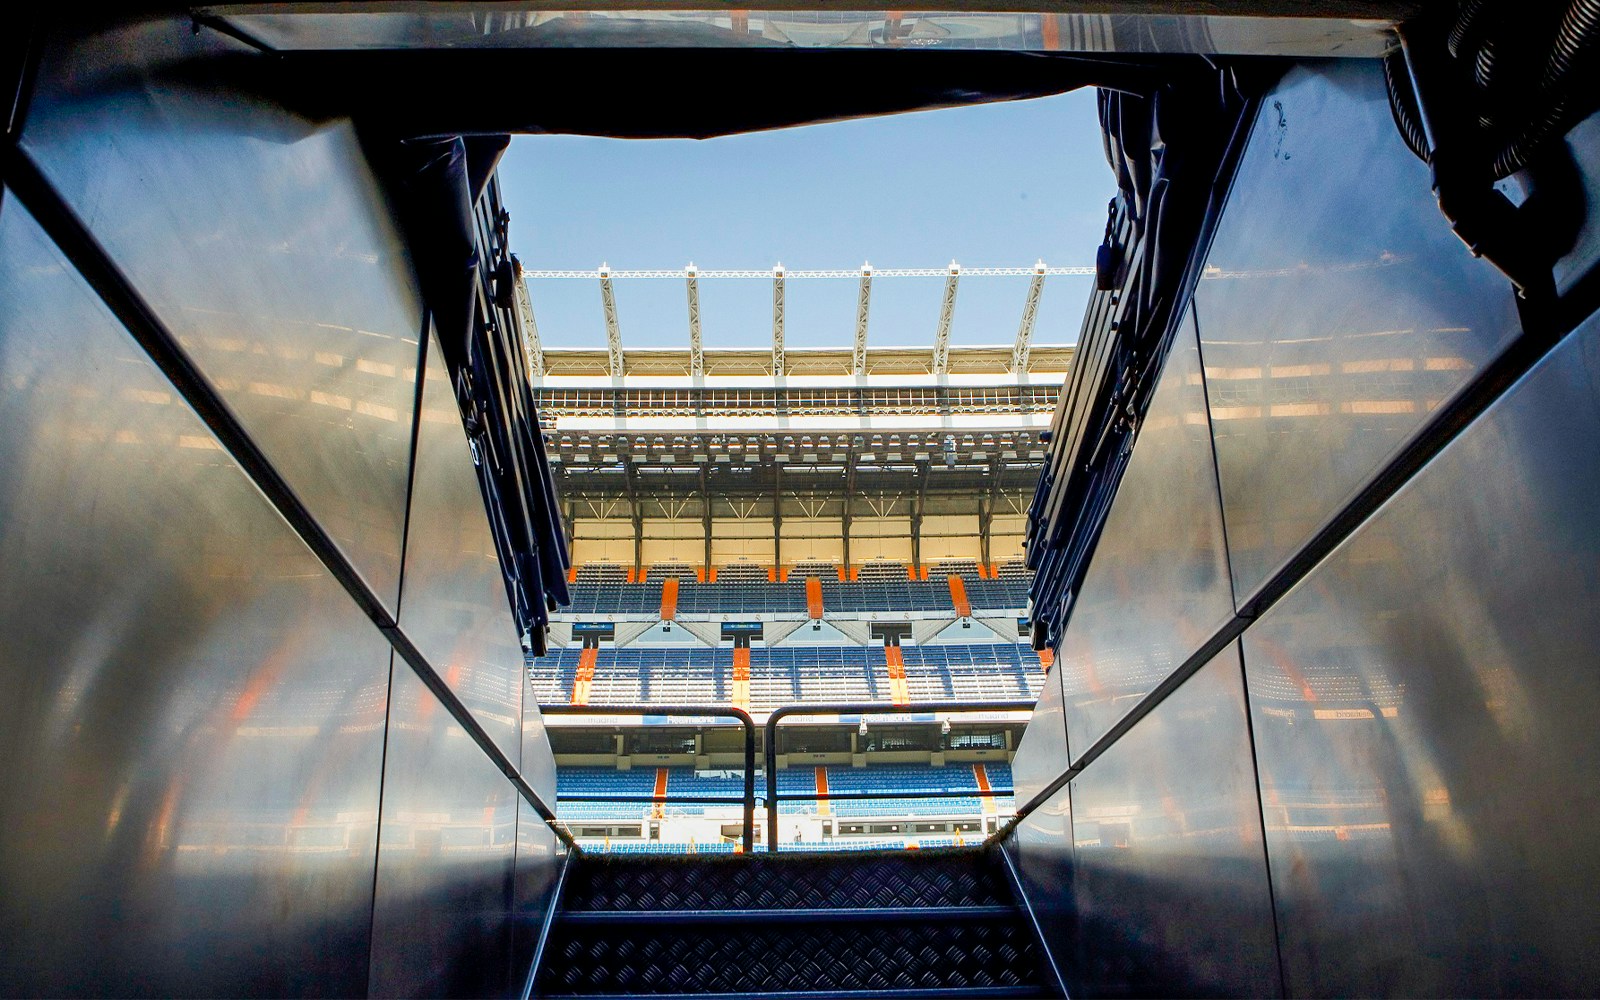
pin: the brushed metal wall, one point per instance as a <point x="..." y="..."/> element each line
<point x="263" y="242"/>
<point x="192" y="731"/>
<point x="201" y="750"/>
<point x="1158" y="584"/>
<point x="1336" y="311"/>
<point x="454" y="601"/>
<point x="1043" y="753"/>
<point x="441" y="915"/>
<point x="1401" y="798"/>
<point x="1424" y="706"/>
<point x="1170" y="873"/>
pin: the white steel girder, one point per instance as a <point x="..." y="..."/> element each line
<point x="530" y="330"/>
<point x="779" y="362"/>
<point x="1030" y="310"/>
<point x="858" y="363"/>
<point x="608" y="301"/>
<point x="697" y="355"/>
<point x="947" y="312"/>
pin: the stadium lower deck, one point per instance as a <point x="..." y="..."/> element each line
<point x="809" y="634"/>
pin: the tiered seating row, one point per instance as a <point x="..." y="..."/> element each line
<point x="599" y="590"/>
<point x="896" y="778"/>
<point x="786" y="675"/>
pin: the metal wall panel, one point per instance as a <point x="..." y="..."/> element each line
<point x="538" y="764"/>
<point x="539" y="854"/>
<point x="1043" y="755"/>
<point x="1042" y="846"/>
<point x="446" y="858"/>
<point x="262" y="241"/>
<point x="539" y="859"/>
<point x="192" y="725"/>
<point x="1170" y="883"/>
<point x="1424" y="707"/>
<point x="1336" y="310"/>
<point x="1158" y="586"/>
<point x="454" y="604"/>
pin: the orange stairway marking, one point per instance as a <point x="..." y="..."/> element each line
<point x="741" y="677"/>
<point x="659" y="809"/>
<point x="989" y="808"/>
<point x="1047" y="657"/>
<point x="772" y="574"/>
<point x="911" y="572"/>
<point x="669" y="598"/>
<point x="899" y="691"/>
<point x="585" y="676"/>
<point x="822" y="789"/>
<point x="958" y="596"/>
<point x="572" y="574"/>
<point x="814" y="596"/>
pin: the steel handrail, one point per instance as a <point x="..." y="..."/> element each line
<point x="770" y="751"/>
<point x="690" y="711"/>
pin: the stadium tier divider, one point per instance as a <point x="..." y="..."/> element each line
<point x="904" y="781"/>
<point x="788" y="674"/>
<point x="604" y="588"/>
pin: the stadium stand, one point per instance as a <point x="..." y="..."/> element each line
<point x="787" y="674"/>
<point x="577" y="782"/>
<point x="878" y="586"/>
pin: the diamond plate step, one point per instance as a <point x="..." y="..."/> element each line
<point x="929" y="923"/>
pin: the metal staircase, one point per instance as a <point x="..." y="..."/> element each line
<point x="910" y="923"/>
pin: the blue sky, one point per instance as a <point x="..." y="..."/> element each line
<point x="989" y="186"/>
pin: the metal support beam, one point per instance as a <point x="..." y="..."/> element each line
<point x="947" y="312"/>
<point x="530" y="329"/>
<point x="1019" y="354"/>
<point x="924" y="473"/>
<point x="777" y="514"/>
<point x="705" y="515"/>
<point x="779" y="362"/>
<point x="987" y="502"/>
<point x="697" y="356"/>
<point x="608" y="300"/>
<point x="859" y="359"/>
<point x="849" y="498"/>
<point x="635" y="511"/>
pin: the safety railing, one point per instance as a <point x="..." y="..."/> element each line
<point x="770" y="751"/>
<point x="748" y="801"/>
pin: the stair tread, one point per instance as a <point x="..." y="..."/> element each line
<point x="932" y="923"/>
<point x="768" y="958"/>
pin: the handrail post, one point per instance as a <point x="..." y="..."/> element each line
<point x="770" y="751"/>
<point x="689" y="711"/>
<point x="770" y="757"/>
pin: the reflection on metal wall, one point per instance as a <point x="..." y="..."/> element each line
<point x="198" y="683"/>
<point x="1420" y="705"/>
<point x="446" y="858"/>
<point x="1043" y="752"/>
<point x="1170" y="878"/>
<point x="1158" y="585"/>
<point x="264" y="244"/>
<point x="1424" y="707"/>
<point x="540" y="857"/>
<point x="1337" y="311"/>
<point x="454" y="601"/>
<point x="193" y="723"/>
